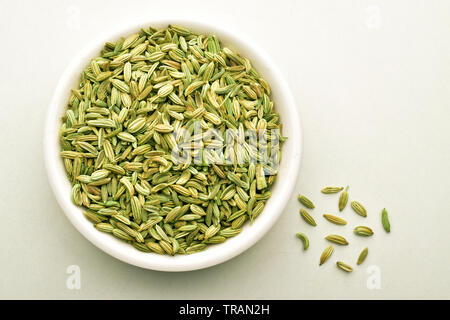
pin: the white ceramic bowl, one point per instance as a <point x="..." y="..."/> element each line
<point x="215" y="254"/>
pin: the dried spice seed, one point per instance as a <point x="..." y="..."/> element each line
<point x="326" y="254"/>
<point x="363" y="231"/>
<point x="358" y="208"/>
<point x="307" y="217"/>
<point x="385" y="220"/>
<point x="305" y="201"/>
<point x="343" y="199"/>
<point x="121" y="235"/>
<point x="362" y="256"/>
<point x="304" y="239"/>
<point x="334" y="219"/>
<point x="344" y="266"/>
<point x="337" y="239"/>
<point x="104" y="227"/>
<point x="127" y="119"/>
<point x="330" y="190"/>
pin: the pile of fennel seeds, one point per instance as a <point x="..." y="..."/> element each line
<point x="362" y="231"/>
<point x="116" y="141"/>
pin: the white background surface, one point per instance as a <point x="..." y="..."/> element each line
<point x="371" y="79"/>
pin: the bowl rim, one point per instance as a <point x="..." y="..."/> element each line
<point x="57" y="178"/>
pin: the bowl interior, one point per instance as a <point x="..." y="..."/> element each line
<point x="285" y="182"/>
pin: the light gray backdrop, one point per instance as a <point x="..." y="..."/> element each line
<point x="371" y="79"/>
